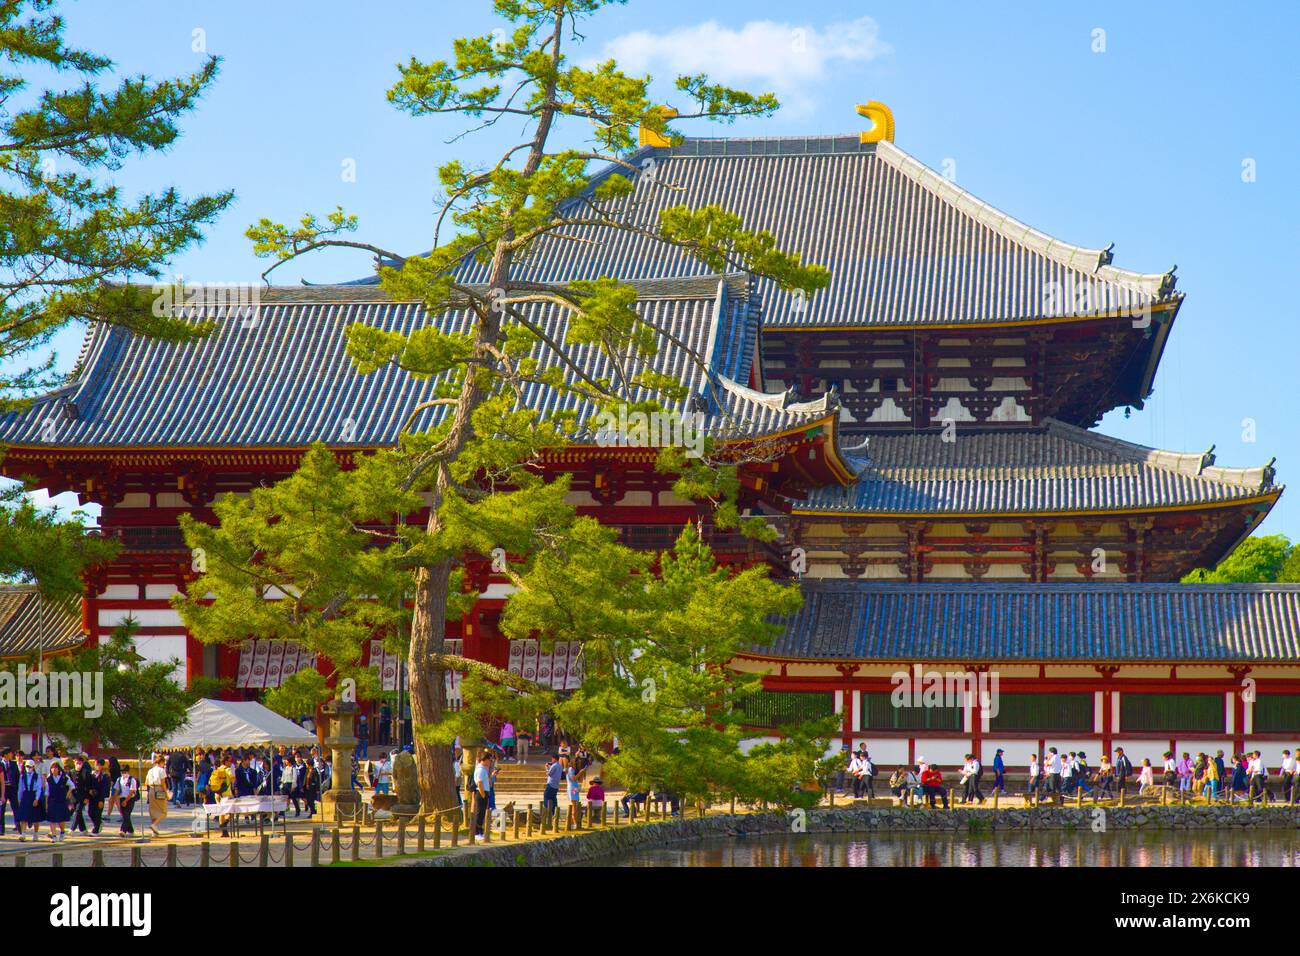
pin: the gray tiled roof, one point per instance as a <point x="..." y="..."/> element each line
<point x="1088" y="621"/>
<point x="905" y="245"/>
<point x="278" y="375"/>
<point x="1056" y="468"/>
<point x="24" y="630"/>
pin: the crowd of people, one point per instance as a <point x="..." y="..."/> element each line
<point x="567" y="769"/>
<point x="80" y="793"/>
<point x="1057" y="775"/>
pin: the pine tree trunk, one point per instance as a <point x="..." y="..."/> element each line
<point x="438" y="782"/>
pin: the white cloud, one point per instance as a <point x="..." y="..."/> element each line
<point x="788" y="59"/>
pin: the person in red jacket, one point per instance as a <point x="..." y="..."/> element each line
<point x="932" y="786"/>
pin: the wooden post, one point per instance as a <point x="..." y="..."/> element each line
<point x="137" y="858"/>
<point x="573" y="815"/>
<point x="288" y="849"/>
<point x="437" y="830"/>
<point x="171" y="856"/>
<point x="516" y="816"/>
<point x="419" y="836"/>
<point x="97" y="858"/>
<point x="234" y="854"/>
<point x="455" y="832"/>
<point x="487" y="827"/>
<point x="20" y="859"/>
<point x="205" y="855"/>
<point x="336" y="844"/>
<point x="1164" y="796"/>
<point x="379" y="840"/>
<point x="995" y="798"/>
<point x="58" y="860"/>
<point x="530" y="821"/>
<point x="617" y="807"/>
<point x="356" y="843"/>
<point x="733" y="805"/>
<point x="1078" y="797"/>
<point x="264" y="851"/>
<point x="401" y="839"/>
<point x="1121" y="796"/>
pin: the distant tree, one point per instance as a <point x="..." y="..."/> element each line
<point x="70" y="242"/>
<point x="1263" y="559"/>
<point x="141" y="702"/>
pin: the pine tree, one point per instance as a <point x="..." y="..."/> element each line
<point x="70" y="242"/>
<point x="472" y="469"/>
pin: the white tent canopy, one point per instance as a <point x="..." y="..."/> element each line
<point x="227" y="723"/>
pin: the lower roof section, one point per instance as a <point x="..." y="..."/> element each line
<point x="29" y="626"/>
<point x="1168" y="623"/>
<point x="1056" y="468"/>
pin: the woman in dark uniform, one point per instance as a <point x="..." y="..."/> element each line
<point x="30" y="792"/>
<point x="57" y="804"/>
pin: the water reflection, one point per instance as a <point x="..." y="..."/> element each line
<point x="1039" y="849"/>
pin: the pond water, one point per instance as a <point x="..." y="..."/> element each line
<point x="1225" y="848"/>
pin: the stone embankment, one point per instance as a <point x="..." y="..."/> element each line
<point x="592" y="844"/>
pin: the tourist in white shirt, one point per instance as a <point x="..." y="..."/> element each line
<point x="856" y="769"/>
<point x="1286" y="774"/>
<point x="1258" y="774"/>
<point x="1171" y="771"/>
<point x="1053" y="771"/>
<point x="1035" y="777"/>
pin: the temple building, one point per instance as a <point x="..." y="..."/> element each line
<point x="926" y="457"/>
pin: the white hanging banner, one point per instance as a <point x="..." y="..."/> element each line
<point x="516" y="666"/>
<point x="559" y="665"/>
<point x="261" y="654"/>
<point x="275" y="665"/>
<point x="574" y="679"/>
<point x="388" y="670"/>
<point x="290" y="665"/>
<point x="530" y="660"/>
<point x="245" y="663"/>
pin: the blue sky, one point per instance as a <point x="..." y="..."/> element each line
<point x="1136" y="135"/>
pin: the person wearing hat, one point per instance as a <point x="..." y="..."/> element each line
<point x="999" y="772"/>
<point x="596" y="800"/>
<point x="156" y="782"/>
<point x="30" y="791"/>
<point x="1123" y="769"/>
